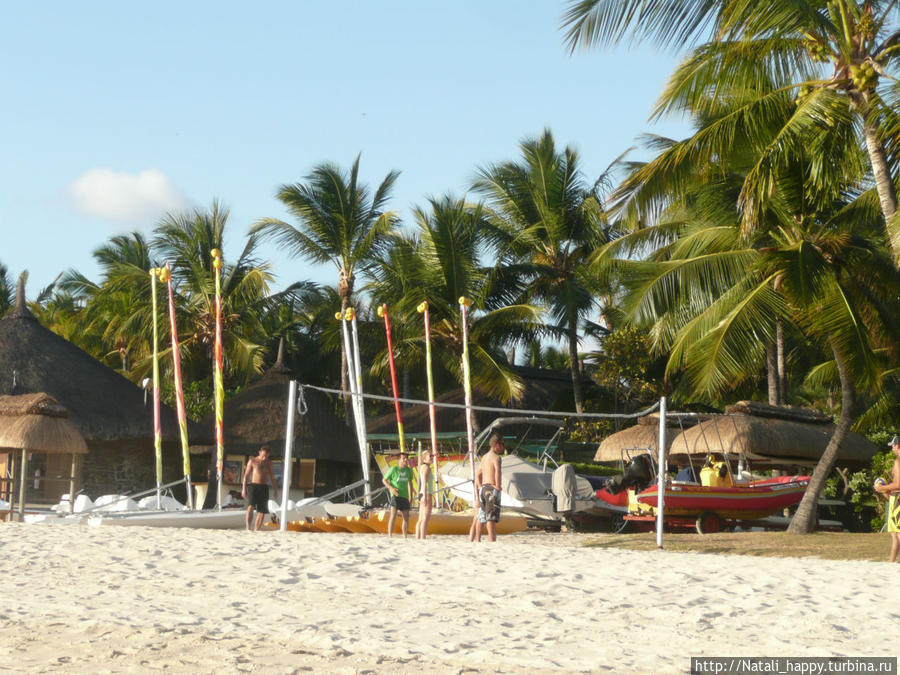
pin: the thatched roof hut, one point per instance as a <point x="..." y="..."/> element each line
<point x="38" y="423"/>
<point x="104" y="406"/>
<point x="633" y="438"/>
<point x="257" y="416"/>
<point x="645" y="434"/>
<point x="778" y="440"/>
<point x="108" y="410"/>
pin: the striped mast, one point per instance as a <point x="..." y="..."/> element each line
<point x="432" y="421"/>
<point x="166" y="277"/>
<point x="464" y="304"/>
<point x="364" y="443"/>
<point x="157" y="427"/>
<point x="218" y="386"/>
<point x="383" y="312"/>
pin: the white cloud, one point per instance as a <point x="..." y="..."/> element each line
<point x="131" y="199"/>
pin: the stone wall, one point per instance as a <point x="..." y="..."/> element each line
<point x="126" y="467"/>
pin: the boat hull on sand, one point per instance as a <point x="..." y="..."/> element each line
<point x="227" y="519"/>
<point x="737" y="502"/>
<point x="440" y="523"/>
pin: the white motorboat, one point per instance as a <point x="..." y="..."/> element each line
<point x="535" y="491"/>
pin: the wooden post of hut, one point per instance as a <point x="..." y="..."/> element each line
<point x="22" y="475"/>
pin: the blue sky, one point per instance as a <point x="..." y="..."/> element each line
<point x="116" y="112"/>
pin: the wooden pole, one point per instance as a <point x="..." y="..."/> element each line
<point x="72" y="483"/>
<point x="22" y="486"/>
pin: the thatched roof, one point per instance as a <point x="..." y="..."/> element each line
<point x="103" y="404"/>
<point x="638" y="436"/>
<point x="38" y="423"/>
<point x="782" y="412"/>
<point x="257" y="416"/>
<point x="779" y="439"/>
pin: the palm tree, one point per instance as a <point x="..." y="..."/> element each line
<point x="549" y="221"/>
<point x="339" y="223"/>
<point x="7" y="291"/>
<point x="440" y="263"/>
<point x="112" y="316"/>
<point x="715" y="297"/>
<point x="835" y="57"/>
<point x="185" y="240"/>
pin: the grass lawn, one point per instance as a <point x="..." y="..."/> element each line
<point x="824" y="545"/>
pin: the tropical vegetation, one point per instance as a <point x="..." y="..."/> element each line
<point x="755" y="258"/>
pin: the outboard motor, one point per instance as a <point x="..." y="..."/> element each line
<point x="638" y="474"/>
<point x="564" y="485"/>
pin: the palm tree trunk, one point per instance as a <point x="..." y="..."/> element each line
<point x="576" y="370"/>
<point x="804" y="521"/>
<point x="772" y="374"/>
<point x="887" y="195"/>
<point x="779" y="352"/>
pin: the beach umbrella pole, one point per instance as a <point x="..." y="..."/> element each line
<point x="464" y="304"/>
<point x="661" y="473"/>
<point x="288" y="452"/>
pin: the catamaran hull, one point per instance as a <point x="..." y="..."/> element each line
<point x="231" y="519"/>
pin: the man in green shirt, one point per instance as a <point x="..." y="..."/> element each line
<point x="397" y="480"/>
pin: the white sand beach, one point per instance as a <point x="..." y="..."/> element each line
<point x="128" y="600"/>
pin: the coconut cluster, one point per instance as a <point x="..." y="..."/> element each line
<point x="818" y="51"/>
<point x="864" y="76"/>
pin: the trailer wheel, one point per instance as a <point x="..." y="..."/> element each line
<point x="617" y="523"/>
<point x="708" y="522"/>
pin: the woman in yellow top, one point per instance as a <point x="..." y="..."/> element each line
<point x="426" y="495"/>
<point x="892" y="492"/>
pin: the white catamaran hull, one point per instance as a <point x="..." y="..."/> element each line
<point x="228" y="519"/>
<point x="527" y="488"/>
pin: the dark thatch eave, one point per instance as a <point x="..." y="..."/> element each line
<point x="104" y="406"/>
<point x="257" y="416"/>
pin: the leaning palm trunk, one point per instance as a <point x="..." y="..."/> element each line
<point x="887" y="195"/>
<point x="804" y="521"/>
